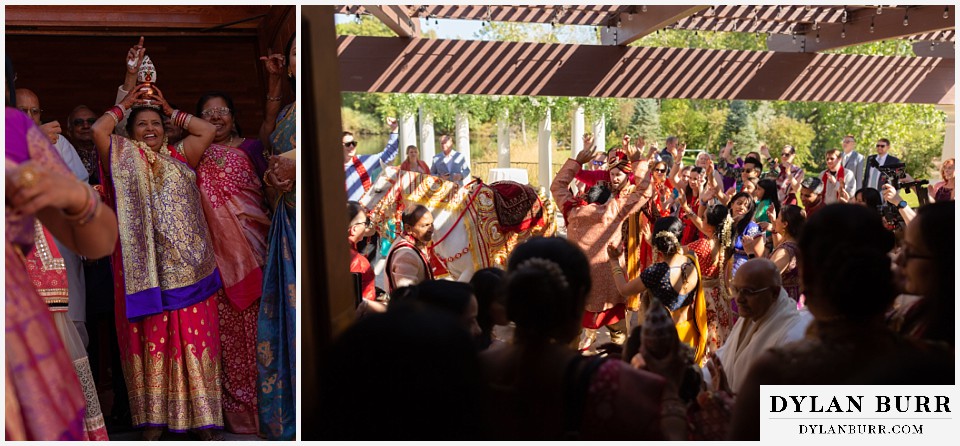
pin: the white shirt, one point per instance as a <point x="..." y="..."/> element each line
<point x="875" y="173"/>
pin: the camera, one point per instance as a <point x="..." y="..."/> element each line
<point x="894" y="174"/>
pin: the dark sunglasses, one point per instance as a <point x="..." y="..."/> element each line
<point x="881" y="145"/>
<point x="350" y="144"/>
<point x="660" y="170"/>
<point x="78" y="122"/>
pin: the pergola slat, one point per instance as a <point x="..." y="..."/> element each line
<point x="392" y="65"/>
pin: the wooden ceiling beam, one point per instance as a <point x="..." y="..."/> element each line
<point x="444" y="66"/>
<point x="243" y="18"/>
<point x="644" y="23"/>
<point x="396" y="18"/>
<point x="857" y="30"/>
<point x="935" y="49"/>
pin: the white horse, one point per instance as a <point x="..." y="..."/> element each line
<point x="467" y="232"/>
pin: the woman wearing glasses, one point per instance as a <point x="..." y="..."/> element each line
<point x="232" y="195"/>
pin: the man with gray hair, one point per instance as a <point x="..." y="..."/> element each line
<point x="768" y="318"/>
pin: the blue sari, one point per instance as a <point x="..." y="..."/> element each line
<point x="276" y="326"/>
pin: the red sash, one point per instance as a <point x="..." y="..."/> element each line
<point x="823" y="179"/>
<point x="362" y="172"/>
<point x="401" y="242"/>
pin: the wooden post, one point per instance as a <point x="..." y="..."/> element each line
<point x="327" y="306"/>
<point x="427" y="147"/>
<point x="503" y="140"/>
<point x="545" y="158"/>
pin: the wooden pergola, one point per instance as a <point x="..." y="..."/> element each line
<point x="797" y="67"/>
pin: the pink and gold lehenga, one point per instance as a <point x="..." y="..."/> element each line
<point x="166" y="310"/>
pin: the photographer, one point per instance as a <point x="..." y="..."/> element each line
<point x="890" y="195"/>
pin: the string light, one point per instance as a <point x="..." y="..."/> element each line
<point x="818" y="36"/>
<point x="879" y="9"/>
<point x="946" y="12"/>
<point x="629" y="17"/>
<point x="843" y="18"/>
<point x="871" y="24"/>
<point x="643" y="8"/>
<point x="843" y="32"/>
<point x="931" y="46"/>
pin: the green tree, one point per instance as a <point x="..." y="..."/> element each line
<point x="739" y="128"/>
<point x="646" y="119"/>
<point x="367" y="26"/>
<point x="784" y="130"/>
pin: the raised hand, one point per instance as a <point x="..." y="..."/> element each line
<point x="587" y="153"/>
<point x="135" y="57"/>
<point x="274" y="63"/>
<point x="393" y="124"/>
<point x="157" y="95"/>
<point x="613" y="251"/>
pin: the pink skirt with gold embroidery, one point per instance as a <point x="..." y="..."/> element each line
<point x="171" y="364"/>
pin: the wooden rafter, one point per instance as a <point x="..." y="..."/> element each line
<point x="397" y="18"/>
<point x="865" y="26"/>
<point x="631" y="26"/>
<point x="377" y="64"/>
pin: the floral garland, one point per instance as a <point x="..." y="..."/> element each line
<point x="147" y="151"/>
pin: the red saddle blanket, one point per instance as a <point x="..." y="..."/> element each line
<point x="518" y="207"/>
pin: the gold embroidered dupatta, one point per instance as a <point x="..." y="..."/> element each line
<point x="168" y="260"/>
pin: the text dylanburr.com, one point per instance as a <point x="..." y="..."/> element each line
<point x="859" y="414"/>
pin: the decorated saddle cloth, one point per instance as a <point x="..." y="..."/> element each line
<point x="168" y="260"/>
<point x="518" y="207"/>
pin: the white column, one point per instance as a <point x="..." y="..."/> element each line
<point x="503" y="139"/>
<point x="408" y="132"/>
<point x="462" y="130"/>
<point x="427" y="149"/>
<point x="576" y="132"/>
<point x="600" y="133"/>
<point x="545" y="156"/>
<point x="949" y="134"/>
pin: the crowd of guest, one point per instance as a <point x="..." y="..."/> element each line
<point x="736" y="271"/>
<point x="150" y="254"/>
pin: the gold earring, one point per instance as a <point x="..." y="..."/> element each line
<point x="289" y="72"/>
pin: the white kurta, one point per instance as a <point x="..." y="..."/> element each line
<point x="782" y="325"/>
